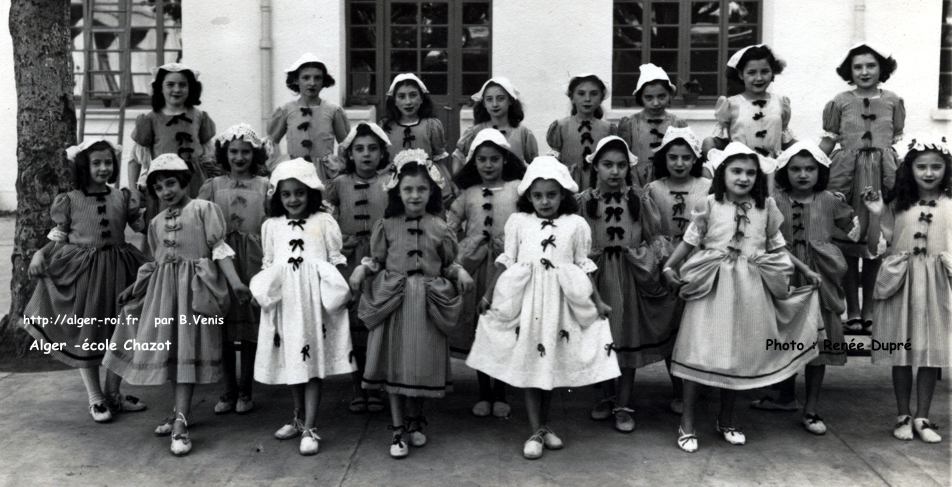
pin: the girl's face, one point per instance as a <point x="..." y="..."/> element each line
<point x="408" y="99"/>
<point x="414" y="193"/>
<point x="803" y="172"/>
<point x="169" y="190"/>
<point x="655" y="98"/>
<point x="611" y="168"/>
<point x="101" y="166"/>
<point x="865" y="69"/>
<point x="928" y="169"/>
<point x="496" y="101"/>
<point x="587" y="97"/>
<point x="366" y="152"/>
<point x="489" y="162"/>
<point x="739" y="176"/>
<point x="546" y="197"/>
<point x="293" y="194"/>
<point x="175" y="89"/>
<point x="757" y="76"/>
<point x="311" y="81"/>
<point x="679" y="160"/>
<point x="240" y="155"/>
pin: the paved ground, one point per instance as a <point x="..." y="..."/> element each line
<point x="47" y="438"/>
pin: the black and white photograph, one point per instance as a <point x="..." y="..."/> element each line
<point x="475" y="242"/>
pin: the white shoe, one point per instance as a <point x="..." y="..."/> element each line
<point x="290" y="430"/>
<point x="224" y="405"/>
<point x="244" y="405"/>
<point x="731" y="435"/>
<point x="165" y="427"/>
<point x="309" y="442"/>
<point x="550" y="439"/>
<point x="903" y="429"/>
<point x="532" y="450"/>
<point x="687" y="442"/>
<point x="926" y="430"/>
<point x="181" y="444"/>
<point x="100" y="412"/>
<point x="482" y="409"/>
<point x="814" y="424"/>
<point x="398" y="447"/>
<point x="501" y="409"/>
<point x="415" y="431"/>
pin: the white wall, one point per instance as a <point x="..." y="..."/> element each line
<point x="8" y="116"/>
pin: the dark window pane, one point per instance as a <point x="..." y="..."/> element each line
<point x="476" y="36"/>
<point x="624" y="84"/>
<point x="363" y="61"/>
<point x="434" y="37"/>
<point x="363" y="37"/>
<point x="476" y="13"/>
<point x="703" y="84"/>
<point x="741" y="35"/>
<point x="945" y="60"/>
<point x="626" y="61"/>
<point x="473" y="82"/>
<point x="666" y="59"/>
<point x="403" y="13"/>
<point x="627" y="37"/>
<point x="705" y="60"/>
<point x="434" y="13"/>
<point x="363" y="84"/>
<point x="945" y="90"/>
<point x="476" y="60"/>
<point x="436" y="83"/>
<point x="706" y="13"/>
<point x="665" y="37"/>
<point x="435" y="61"/>
<point x="628" y="13"/>
<point x="403" y="61"/>
<point x="405" y="37"/>
<point x="363" y="13"/>
<point x="743" y="13"/>
<point x="664" y="13"/>
<point x="705" y="35"/>
<point x="947" y="33"/>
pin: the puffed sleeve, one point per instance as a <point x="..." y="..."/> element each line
<point x="697" y="229"/>
<point x="142" y="155"/>
<point x="333" y="240"/>
<point x="899" y="119"/>
<point x="332" y="191"/>
<point x="267" y="244"/>
<point x="206" y="129"/>
<point x="530" y="146"/>
<point x="625" y="130"/>
<point x="449" y="247"/>
<point x="462" y="145"/>
<point x="341" y="124"/>
<point x="60" y="214"/>
<point x="378" y="248"/>
<point x="786" y="136"/>
<point x="214" y="221"/>
<point x="723" y="116"/>
<point x="437" y="136"/>
<point x="650" y="216"/>
<point x="207" y="191"/>
<point x="775" y="238"/>
<point x="457" y="213"/>
<point x="134" y="217"/>
<point x="142" y="133"/>
<point x="510" y="248"/>
<point x="582" y="246"/>
<point x="278" y="125"/>
<point x="553" y="137"/>
<point x="831" y="120"/>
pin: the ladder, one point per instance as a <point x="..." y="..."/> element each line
<point x="109" y="97"/>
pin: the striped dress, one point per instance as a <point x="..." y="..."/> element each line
<point x="675" y="204"/>
<point x="88" y="266"/>
<point x="179" y="302"/>
<point x="427" y="134"/>
<point x="643" y="331"/>
<point x="808" y="229"/>
<point x="762" y="125"/>
<point x="410" y="307"/>
<point x="311" y="132"/>
<point x="643" y="135"/>
<point x="574" y="139"/>
<point x="738" y="308"/>
<point x="913" y="294"/>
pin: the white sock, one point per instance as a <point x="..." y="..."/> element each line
<point x="90" y="377"/>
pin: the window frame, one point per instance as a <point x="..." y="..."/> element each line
<point x="945" y="54"/>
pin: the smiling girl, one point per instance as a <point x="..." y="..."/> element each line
<point x="574" y="137"/>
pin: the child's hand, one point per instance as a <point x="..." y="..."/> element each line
<point x="671" y="278"/>
<point x="37" y="265"/>
<point x="484" y="304"/>
<point x="464" y="282"/>
<point x="125" y="296"/>
<point x="840" y="196"/>
<point x="873" y="201"/>
<point x="602" y="308"/>
<point x="242" y="293"/>
<point x="357" y="278"/>
<point x="813" y="277"/>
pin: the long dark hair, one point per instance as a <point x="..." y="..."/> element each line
<point x="81" y="165"/>
<point x="610" y="145"/>
<point x="782" y="176"/>
<point x="573" y="84"/>
<point x="758" y="193"/>
<point x="434" y="205"/>
<point x="315" y="202"/>
<point x="193" y="99"/>
<point x="259" y="157"/>
<point x="515" y="115"/>
<point x="660" y="161"/>
<point x="568" y="206"/>
<point x="363" y="130"/>
<point x="512" y="168"/>
<point x="906" y="192"/>
<point x="393" y="113"/>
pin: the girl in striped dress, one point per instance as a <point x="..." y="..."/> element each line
<point x="488" y="182"/>
<point x="359" y="200"/>
<point x="738" y="307"/>
<point x="304" y="335"/>
<point x="84" y="268"/>
<point x="624" y="225"/>
<point x="496" y="105"/>
<point x="412" y="303"/>
<point x="914" y="286"/>
<point x="179" y="300"/>
<point x="242" y="197"/>
<point x="574" y="137"/>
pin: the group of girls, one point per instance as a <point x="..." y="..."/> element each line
<point x="626" y="247"/>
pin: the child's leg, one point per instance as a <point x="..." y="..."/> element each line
<point x="726" y="416"/>
<point x="787" y="390"/>
<point x="397" y="402"/>
<point x="297" y="396"/>
<point x="228" y="369"/>
<point x="312" y="401"/>
<point x="625" y="385"/>
<point x="485" y="386"/>
<point x="499" y="390"/>
<point x="814" y="380"/>
<point x="689" y="396"/>
<point x="851" y="287"/>
<point x="113" y="381"/>
<point x="90" y="377"/>
<point x="248" y="350"/>
<point x="925" y="387"/>
<point x="870" y="270"/>
<point x="545" y="404"/>
<point x="902" y="387"/>
<point x="677" y="384"/>
<point x="534" y="408"/>
<point x="183" y="405"/>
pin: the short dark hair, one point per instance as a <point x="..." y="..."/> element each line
<point x="512" y="168"/>
<point x="315" y="202"/>
<point x="660" y="161"/>
<point x="906" y="192"/>
<point x="515" y="115"/>
<point x="573" y="84"/>
<point x="183" y="178"/>
<point x="393" y="113"/>
<point x="758" y="192"/>
<point x="363" y="130"/>
<point x="434" y="205"/>
<point x="81" y="165"/>
<point x="887" y="65"/>
<point x="658" y="82"/>
<point x="782" y="176"/>
<point x="194" y="97"/>
<point x="291" y="81"/>
<point x="259" y="157"/>
<point x="568" y="206"/>
<point x="754" y="53"/>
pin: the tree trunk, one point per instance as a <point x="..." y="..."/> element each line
<point x="46" y="124"/>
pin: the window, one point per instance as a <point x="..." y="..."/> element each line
<point x="690" y="39"/>
<point x="945" y="57"/>
<point x="446" y="43"/>
<point x="130" y="37"/>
